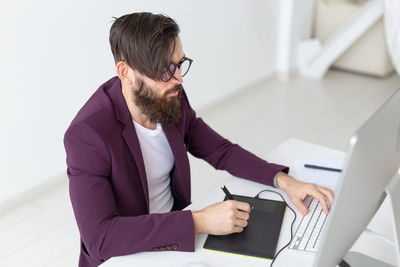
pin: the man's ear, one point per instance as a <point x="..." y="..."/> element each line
<point x="125" y="73"/>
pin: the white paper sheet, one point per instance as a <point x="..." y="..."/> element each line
<point x="320" y="177"/>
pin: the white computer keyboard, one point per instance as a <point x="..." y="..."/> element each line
<point x="307" y="236"/>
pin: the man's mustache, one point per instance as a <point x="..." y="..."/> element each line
<point x="178" y="88"/>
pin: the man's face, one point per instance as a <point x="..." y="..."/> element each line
<point x="161" y="101"/>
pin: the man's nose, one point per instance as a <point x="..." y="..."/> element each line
<point x="178" y="76"/>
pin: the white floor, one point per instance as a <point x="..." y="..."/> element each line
<point x="43" y="232"/>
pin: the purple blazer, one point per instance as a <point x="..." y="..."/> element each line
<point x="108" y="184"/>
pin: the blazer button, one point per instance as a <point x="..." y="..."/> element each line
<point x="174" y="246"/>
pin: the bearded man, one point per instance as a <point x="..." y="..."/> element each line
<point x="127" y="150"/>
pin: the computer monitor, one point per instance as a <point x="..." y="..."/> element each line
<point x="370" y="172"/>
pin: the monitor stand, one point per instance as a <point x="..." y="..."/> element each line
<point x="355" y="259"/>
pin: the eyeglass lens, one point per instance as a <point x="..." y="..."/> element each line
<point x="183" y="68"/>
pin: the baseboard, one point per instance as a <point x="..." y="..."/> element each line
<point x="287" y="76"/>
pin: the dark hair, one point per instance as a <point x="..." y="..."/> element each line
<point x="145" y="41"/>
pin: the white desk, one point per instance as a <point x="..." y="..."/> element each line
<point x="285" y="154"/>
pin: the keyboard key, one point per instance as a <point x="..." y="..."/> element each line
<point x="308" y="233"/>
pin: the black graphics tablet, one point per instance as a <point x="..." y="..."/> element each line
<point x="260" y="237"/>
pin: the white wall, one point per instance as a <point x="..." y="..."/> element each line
<point x="54" y="54"/>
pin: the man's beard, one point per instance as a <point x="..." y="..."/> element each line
<point x="164" y="109"/>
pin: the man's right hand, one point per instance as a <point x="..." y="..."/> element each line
<point x="222" y="218"/>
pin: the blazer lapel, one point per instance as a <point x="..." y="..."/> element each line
<point x="181" y="177"/>
<point x="131" y="139"/>
<point x="129" y="133"/>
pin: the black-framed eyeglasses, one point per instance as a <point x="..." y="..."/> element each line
<point x="183" y="66"/>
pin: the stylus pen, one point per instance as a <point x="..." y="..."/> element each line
<point x="228" y="194"/>
<point x="322" y="168"/>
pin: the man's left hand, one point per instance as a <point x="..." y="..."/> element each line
<point x="297" y="192"/>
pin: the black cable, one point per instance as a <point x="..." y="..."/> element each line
<point x="291" y="227"/>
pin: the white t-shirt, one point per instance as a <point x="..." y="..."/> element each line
<point x="158" y="162"/>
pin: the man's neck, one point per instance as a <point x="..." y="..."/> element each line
<point x="136" y="112"/>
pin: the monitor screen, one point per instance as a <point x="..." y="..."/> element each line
<point x="372" y="161"/>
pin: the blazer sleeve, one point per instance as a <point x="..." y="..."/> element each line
<point x="203" y="142"/>
<point x="103" y="231"/>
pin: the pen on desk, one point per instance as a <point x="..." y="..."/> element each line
<point x="321" y="168"/>
<point x="228" y="194"/>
